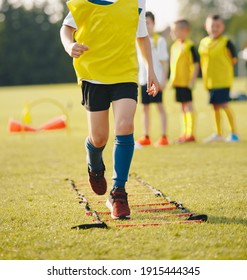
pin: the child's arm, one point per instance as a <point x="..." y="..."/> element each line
<point x="162" y="53"/>
<point x="165" y="68"/>
<point x="195" y="75"/>
<point x="195" y="58"/>
<point x="73" y="48"/>
<point x="145" y="47"/>
<point x="232" y="51"/>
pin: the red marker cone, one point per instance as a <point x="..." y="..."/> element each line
<point x="56" y="123"/>
<point x="15" y="126"/>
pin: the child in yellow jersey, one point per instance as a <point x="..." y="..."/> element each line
<point x="184" y="68"/>
<point x="218" y="56"/>
<point x="100" y="35"/>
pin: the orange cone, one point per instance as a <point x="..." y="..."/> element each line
<point x="56" y="123"/>
<point x="14" y="126"/>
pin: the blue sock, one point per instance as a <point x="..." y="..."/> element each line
<point x="94" y="156"/>
<point x="122" y="157"/>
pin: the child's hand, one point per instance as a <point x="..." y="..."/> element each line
<point x="75" y="50"/>
<point x="153" y="85"/>
<point x="152" y="90"/>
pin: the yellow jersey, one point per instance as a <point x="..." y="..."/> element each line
<point x="216" y="63"/>
<point x="181" y="63"/>
<point x="110" y="33"/>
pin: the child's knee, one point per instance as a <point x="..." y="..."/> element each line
<point x="124" y="127"/>
<point x="98" y="140"/>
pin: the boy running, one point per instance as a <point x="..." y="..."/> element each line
<point x="100" y="35"/>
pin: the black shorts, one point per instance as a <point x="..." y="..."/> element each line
<point x="183" y="94"/>
<point x="98" y="97"/>
<point x="146" y="99"/>
<point x="219" y="95"/>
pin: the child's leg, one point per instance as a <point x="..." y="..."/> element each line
<point x="124" y="111"/>
<point x="98" y="126"/>
<point x="190" y="119"/>
<point x="163" y="121"/>
<point x="217" y="117"/>
<point x="145" y="139"/>
<point x="146" y="119"/>
<point x="184" y="120"/>
<point x="230" y="118"/>
<point x="145" y="100"/>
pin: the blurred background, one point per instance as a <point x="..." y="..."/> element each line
<point x="31" y="51"/>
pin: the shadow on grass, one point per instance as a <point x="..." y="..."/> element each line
<point x="225" y="220"/>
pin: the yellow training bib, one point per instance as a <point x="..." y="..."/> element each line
<point x="216" y="63"/>
<point x="181" y="64"/>
<point x="110" y="33"/>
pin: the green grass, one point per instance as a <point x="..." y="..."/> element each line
<point x="38" y="208"/>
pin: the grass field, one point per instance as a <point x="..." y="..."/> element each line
<point x="38" y="208"/>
